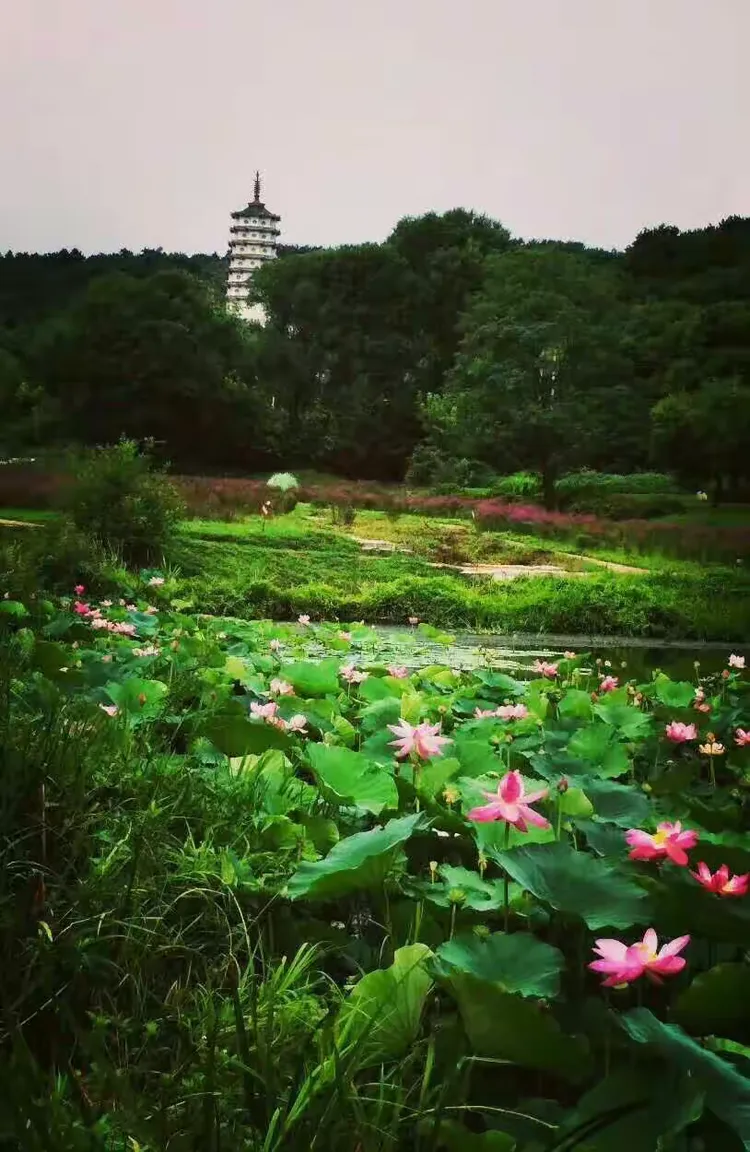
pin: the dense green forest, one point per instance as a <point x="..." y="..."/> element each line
<point x="449" y="351"/>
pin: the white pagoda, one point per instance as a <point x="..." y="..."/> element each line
<point x="253" y="240"/>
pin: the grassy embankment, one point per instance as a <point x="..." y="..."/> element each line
<point x="303" y="562"/>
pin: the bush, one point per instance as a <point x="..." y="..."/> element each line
<point x="630" y="505"/>
<point x="122" y="500"/>
<point x="519" y="486"/>
<point x="585" y="482"/>
<point x="55" y="557"/>
<point x="430" y="467"/>
<point x="343" y="515"/>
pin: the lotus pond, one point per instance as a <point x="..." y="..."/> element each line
<point x="264" y="887"/>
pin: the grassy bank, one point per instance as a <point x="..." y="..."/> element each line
<point x="301" y="563"/>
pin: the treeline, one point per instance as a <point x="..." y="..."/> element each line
<point x="450" y="351"/>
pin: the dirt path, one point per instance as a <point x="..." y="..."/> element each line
<point x="612" y="565"/>
<point x="507" y="571"/>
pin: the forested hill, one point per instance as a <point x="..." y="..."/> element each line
<point x="33" y="286"/>
<point x="449" y="342"/>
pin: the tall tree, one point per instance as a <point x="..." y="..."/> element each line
<point x="533" y="382"/>
<point x="155" y="358"/>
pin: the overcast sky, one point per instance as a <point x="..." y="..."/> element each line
<point x="135" y="123"/>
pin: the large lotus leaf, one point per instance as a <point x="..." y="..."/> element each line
<point x="383" y="1012"/>
<point x="621" y="804"/>
<point x="509" y="1027"/>
<point x="731" y="848"/>
<point x="575" y="803"/>
<point x="537" y="699"/>
<point x="632" y="1110"/>
<point x="276" y="789"/>
<point x="13" y="608"/>
<point x="143" y="698"/>
<point x="435" y="774"/>
<point x="628" y="720"/>
<point x="576" y="704"/>
<point x="376" y="717"/>
<point x="674" y="693"/>
<point x="310" y="678"/>
<point x="477" y="757"/>
<point x="717" y="1002"/>
<point x="478" y="894"/>
<point x="577" y="883"/>
<point x="359" y="862"/>
<point x="376" y="688"/>
<point x="234" y="735"/>
<point x="684" y="906"/>
<point x="516" y="962"/>
<point x="727" y="1092"/>
<point x="598" y="747"/>
<point x="348" y="777"/>
<point x="500" y="680"/>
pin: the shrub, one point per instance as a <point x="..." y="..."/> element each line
<point x="343" y="514"/>
<point x="629" y="505"/>
<point x="576" y="484"/>
<point x="121" y="499"/>
<point x="519" y="486"/>
<point x="430" y="467"/>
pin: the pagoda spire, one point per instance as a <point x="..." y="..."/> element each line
<point x="257" y="187"/>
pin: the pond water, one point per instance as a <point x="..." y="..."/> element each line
<point x="518" y="651"/>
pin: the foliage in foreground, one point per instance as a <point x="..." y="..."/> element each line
<point x="230" y="918"/>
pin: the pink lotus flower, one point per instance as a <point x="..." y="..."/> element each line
<point x="107" y="659"/>
<point x="512" y="712"/>
<point x="413" y="620"/>
<point x="81" y="609"/>
<point x="297" y="723"/>
<point x="512" y="803"/>
<point x="156" y="581"/>
<point x="484" y="713"/>
<point x="669" y="840"/>
<point x="741" y="738"/>
<point x="545" y="669"/>
<point x="304" y="619"/>
<point x="352" y="675"/>
<point x="123" y="628"/>
<point x="280" y="688"/>
<point x="569" y="655"/>
<point x="622" y="964"/>
<point x="131" y="607"/>
<point x="608" y="684"/>
<point x="345" y="635"/>
<point x="721" y="882"/>
<point x="149" y="650"/>
<point x="736" y="661"/>
<point x="79" y="589"/>
<point x="110" y="709"/>
<point x="275" y="645"/>
<point x="151" y="610"/>
<point x="106" y="603"/>
<point x="424" y="740"/>
<point x="398" y="671"/>
<point x="680" y="733"/>
<point x="100" y="622"/>
<point x="265" y="712"/>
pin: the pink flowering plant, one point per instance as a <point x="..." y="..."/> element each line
<point x="539" y="864"/>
